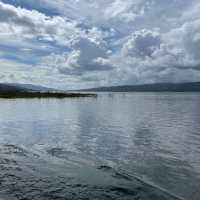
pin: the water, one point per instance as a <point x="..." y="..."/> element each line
<point x="142" y="146"/>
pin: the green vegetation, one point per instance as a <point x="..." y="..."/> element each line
<point x="28" y="94"/>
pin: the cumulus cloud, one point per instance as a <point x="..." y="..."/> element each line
<point x="152" y="56"/>
<point x="32" y="24"/>
<point x="142" y="43"/>
<point x="85" y="56"/>
<point x="105" y="42"/>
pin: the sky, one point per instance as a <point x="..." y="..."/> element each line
<point x="72" y="44"/>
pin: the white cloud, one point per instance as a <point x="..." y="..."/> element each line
<point x="27" y="24"/>
<point x="142" y="43"/>
<point x="86" y="56"/>
<point x="101" y="42"/>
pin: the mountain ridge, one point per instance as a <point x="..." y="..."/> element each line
<point x="30" y="87"/>
<point x="154" y="87"/>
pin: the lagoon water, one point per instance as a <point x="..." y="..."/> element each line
<point x="142" y="146"/>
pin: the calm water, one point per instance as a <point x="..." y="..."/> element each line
<point x="142" y="146"/>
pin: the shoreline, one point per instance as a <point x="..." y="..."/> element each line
<point x="11" y="95"/>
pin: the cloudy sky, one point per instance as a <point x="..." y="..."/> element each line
<point x="87" y="43"/>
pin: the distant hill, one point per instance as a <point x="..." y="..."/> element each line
<point x="11" y="88"/>
<point x="32" y="91"/>
<point x="157" y="87"/>
<point x="30" y="87"/>
<point x="16" y="87"/>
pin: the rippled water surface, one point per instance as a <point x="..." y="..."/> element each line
<point x="142" y="146"/>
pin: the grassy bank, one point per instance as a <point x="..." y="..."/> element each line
<point x="44" y="95"/>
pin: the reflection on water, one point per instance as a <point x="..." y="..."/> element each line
<point x="117" y="146"/>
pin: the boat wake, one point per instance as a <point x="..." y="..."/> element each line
<point x="30" y="175"/>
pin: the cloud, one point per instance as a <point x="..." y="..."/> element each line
<point x="142" y="43"/>
<point x="86" y="43"/>
<point x="152" y="56"/>
<point x="85" y="56"/>
<point x="183" y="43"/>
<point x="28" y="24"/>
